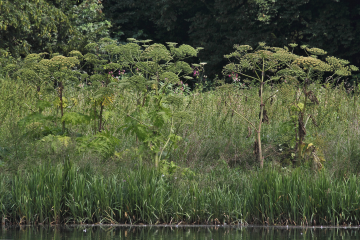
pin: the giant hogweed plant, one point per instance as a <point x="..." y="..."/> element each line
<point x="50" y="78"/>
<point x="269" y="64"/>
<point x="152" y="68"/>
<point x="43" y="74"/>
<point x="303" y="71"/>
<point x="35" y="75"/>
<point x="103" y="60"/>
<point x="155" y="68"/>
<point x="258" y="65"/>
<point x="47" y="78"/>
<point x="151" y="65"/>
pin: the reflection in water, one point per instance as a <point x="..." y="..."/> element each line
<point x="164" y="233"/>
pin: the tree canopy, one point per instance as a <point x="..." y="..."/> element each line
<point x="218" y="24"/>
<point x="34" y="26"/>
<point x="49" y="25"/>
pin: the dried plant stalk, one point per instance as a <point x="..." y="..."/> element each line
<point x="313" y="120"/>
<point x="249" y="132"/>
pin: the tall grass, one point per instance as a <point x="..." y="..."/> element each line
<point x="68" y="194"/>
<point x="212" y="135"/>
<point x="40" y="183"/>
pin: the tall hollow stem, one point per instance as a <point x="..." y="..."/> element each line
<point x="61" y="87"/>
<point x="260" y="155"/>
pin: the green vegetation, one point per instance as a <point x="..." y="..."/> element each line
<point x="217" y="25"/>
<point x="35" y="26"/>
<point x="64" y="193"/>
<point x="96" y="130"/>
<point x="80" y="136"/>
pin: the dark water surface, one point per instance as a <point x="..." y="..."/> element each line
<point x="163" y="233"/>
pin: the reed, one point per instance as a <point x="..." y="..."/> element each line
<point x="60" y="194"/>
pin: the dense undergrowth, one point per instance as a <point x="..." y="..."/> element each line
<point x="135" y="145"/>
<point x="215" y="136"/>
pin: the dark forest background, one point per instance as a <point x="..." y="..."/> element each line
<point x="216" y="25"/>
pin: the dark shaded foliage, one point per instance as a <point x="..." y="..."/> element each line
<point x="217" y="25"/>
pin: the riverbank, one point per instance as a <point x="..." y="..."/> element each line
<point x="205" y="149"/>
<point x="174" y="232"/>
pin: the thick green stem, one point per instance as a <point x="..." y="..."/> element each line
<point x="355" y="94"/>
<point x="171" y="130"/>
<point x="95" y="127"/>
<point x="100" y="116"/>
<point x="156" y="160"/>
<point x="61" y="87"/>
<point x="157" y="83"/>
<point x="301" y="121"/>
<point x="260" y="155"/>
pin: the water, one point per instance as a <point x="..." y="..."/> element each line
<point x="176" y="233"/>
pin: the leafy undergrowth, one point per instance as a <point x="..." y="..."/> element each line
<point x="115" y="135"/>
